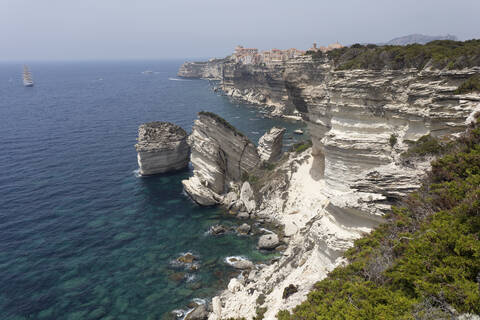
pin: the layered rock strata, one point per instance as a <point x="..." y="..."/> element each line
<point x="360" y="122"/>
<point x="161" y="147"/>
<point x="211" y="69"/>
<point x="270" y="144"/>
<point x="221" y="155"/>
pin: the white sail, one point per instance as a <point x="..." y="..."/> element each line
<point x="27" y="77"/>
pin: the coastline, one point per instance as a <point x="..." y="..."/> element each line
<point x="337" y="178"/>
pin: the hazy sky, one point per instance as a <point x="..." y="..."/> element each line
<point x="156" y="29"/>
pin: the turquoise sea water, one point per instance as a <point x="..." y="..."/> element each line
<point x="81" y="236"/>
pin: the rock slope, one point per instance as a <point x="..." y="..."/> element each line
<point x="220" y="156"/>
<point x="161" y="147"/>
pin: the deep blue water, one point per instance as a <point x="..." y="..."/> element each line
<point x="81" y="237"/>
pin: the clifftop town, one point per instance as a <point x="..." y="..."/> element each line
<point x="273" y="56"/>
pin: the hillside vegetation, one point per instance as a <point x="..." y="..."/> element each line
<point x="440" y="53"/>
<point x="424" y="262"/>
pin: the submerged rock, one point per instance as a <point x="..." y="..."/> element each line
<point x="240" y="263"/>
<point x="199" y="313"/>
<point x="244" y="229"/>
<point x="270" y="144"/>
<point x="243" y="215"/>
<point x="161" y="147"/>
<point x="218" y="229"/>
<point x="268" y="241"/>
<point x="186" y="258"/>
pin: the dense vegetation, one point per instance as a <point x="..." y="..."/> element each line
<point x="424" y="262"/>
<point x="301" y="146"/>
<point x="470" y="85"/>
<point x="440" y="54"/>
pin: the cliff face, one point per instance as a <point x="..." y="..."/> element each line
<point x="360" y="122"/>
<point x="220" y="156"/>
<point x="212" y="69"/>
<point x="161" y="147"/>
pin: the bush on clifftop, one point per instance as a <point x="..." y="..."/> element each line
<point x="440" y="53"/>
<point x="424" y="262"/>
<point x="472" y="84"/>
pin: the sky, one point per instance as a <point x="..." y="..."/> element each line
<point x="178" y="29"/>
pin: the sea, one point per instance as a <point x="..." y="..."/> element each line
<point x="82" y="235"/>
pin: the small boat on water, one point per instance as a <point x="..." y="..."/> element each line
<point x="27" y="77"/>
<point x="298" y="131"/>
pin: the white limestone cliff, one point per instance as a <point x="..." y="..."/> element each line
<point x="270" y="144"/>
<point x="220" y="156"/>
<point x="161" y="147"/>
<point x="360" y="122"/>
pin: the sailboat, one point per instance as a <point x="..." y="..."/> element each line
<point x="27" y="77"/>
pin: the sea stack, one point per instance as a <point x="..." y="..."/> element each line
<point x="270" y="144"/>
<point x="161" y="147"/>
<point x="221" y="155"/>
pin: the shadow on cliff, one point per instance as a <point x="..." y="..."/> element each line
<point x="318" y="167"/>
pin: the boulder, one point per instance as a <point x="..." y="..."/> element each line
<point x="270" y="144"/>
<point x="199" y="193"/>
<point x="230" y="199"/>
<point x="218" y="229"/>
<point x="199" y="313"/>
<point x="186" y="258"/>
<point x="243" y="215"/>
<point x="240" y="263"/>
<point x="161" y="147"/>
<point x="244" y="229"/>
<point x="247" y="197"/>
<point x="268" y="241"/>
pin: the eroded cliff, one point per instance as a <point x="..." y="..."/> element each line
<point x="220" y="155"/>
<point x="360" y="121"/>
<point x="161" y="147"/>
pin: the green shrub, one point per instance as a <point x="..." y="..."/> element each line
<point x="472" y="84"/>
<point x="301" y="146"/>
<point x="426" y="145"/>
<point x="440" y="53"/>
<point x="260" y="313"/>
<point x="288" y="291"/>
<point x="393" y="140"/>
<point x="268" y="166"/>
